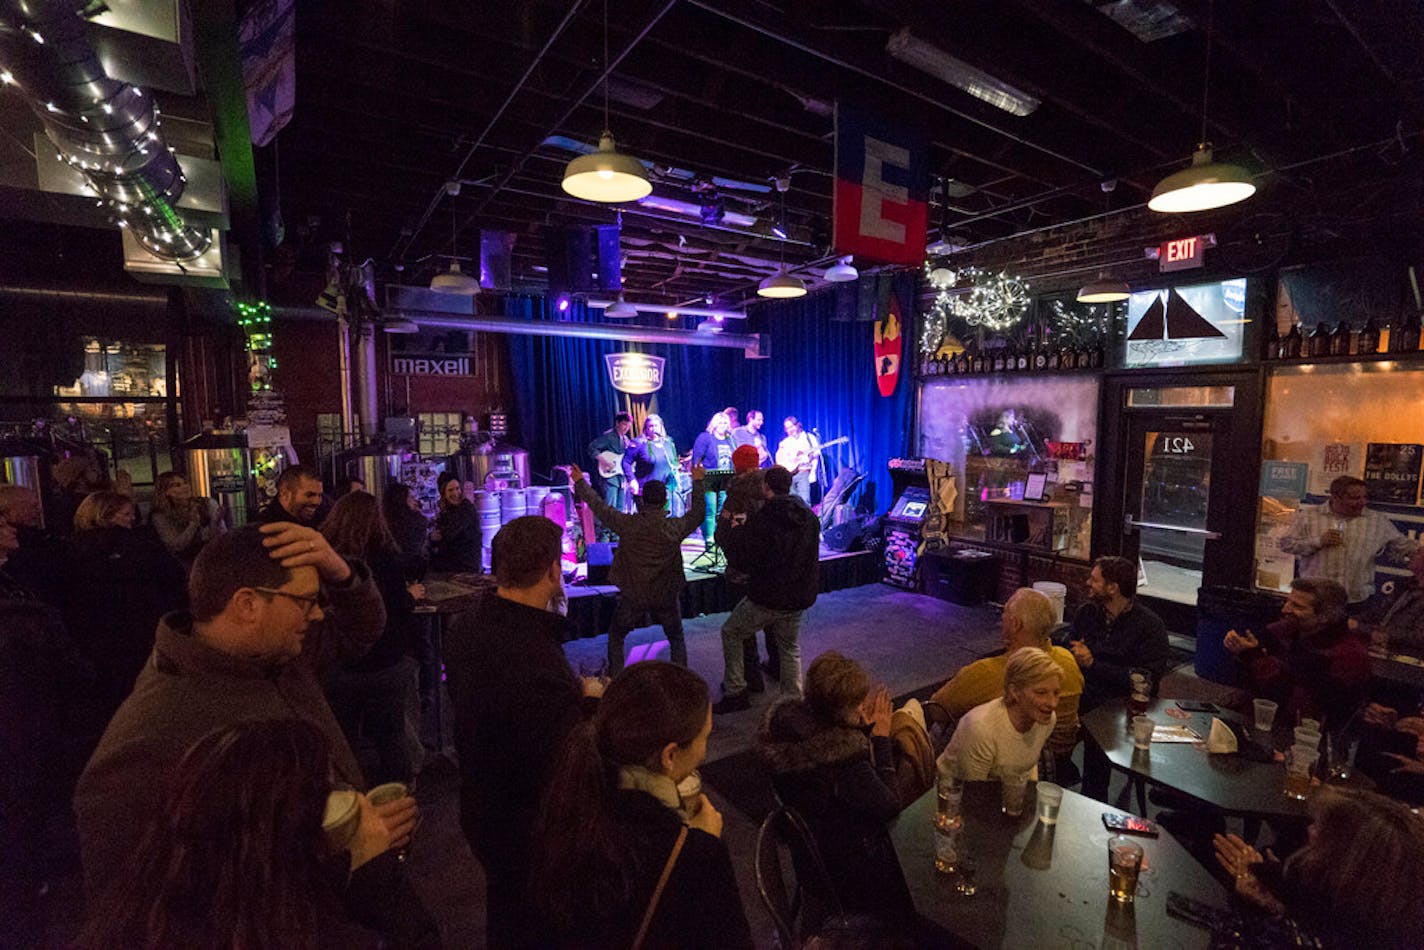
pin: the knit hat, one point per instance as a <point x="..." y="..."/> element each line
<point x="745" y="459"/>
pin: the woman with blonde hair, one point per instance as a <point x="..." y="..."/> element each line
<point x="183" y="523"/>
<point x="713" y="451"/>
<point x="1003" y="738"/>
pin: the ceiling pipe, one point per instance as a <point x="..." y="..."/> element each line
<point x="518" y="326"/>
<point x="106" y="130"/>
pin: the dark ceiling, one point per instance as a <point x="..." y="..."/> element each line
<point x="395" y="98"/>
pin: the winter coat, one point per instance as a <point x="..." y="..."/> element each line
<point x="779" y="547"/>
<point x="842" y="783"/>
<point x="647" y="564"/>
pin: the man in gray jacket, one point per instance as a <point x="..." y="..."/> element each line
<point x="271" y="606"/>
<point x="647" y="566"/>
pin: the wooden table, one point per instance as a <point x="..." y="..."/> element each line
<point x="1046" y="886"/>
<point x="1230" y="783"/>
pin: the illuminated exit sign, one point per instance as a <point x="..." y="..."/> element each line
<point x="1181" y="253"/>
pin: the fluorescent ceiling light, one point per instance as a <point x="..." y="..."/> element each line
<point x="1204" y="185"/>
<point x="959" y="74"/>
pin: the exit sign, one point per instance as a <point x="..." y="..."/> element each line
<point x="1182" y="253"/>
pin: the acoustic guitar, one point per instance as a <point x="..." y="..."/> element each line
<point x="802" y="460"/>
<point x="610" y="464"/>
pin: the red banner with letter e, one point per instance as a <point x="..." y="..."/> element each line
<point x="882" y="187"/>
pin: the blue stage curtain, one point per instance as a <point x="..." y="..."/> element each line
<point x="563" y="398"/>
<point x="822" y="370"/>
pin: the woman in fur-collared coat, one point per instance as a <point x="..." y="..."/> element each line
<point x="832" y="761"/>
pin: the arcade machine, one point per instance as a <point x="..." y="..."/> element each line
<point x="903" y="523"/>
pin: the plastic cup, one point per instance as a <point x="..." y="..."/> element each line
<point x="1265" y="714"/>
<point x="689" y="790"/>
<point x="1306" y="736"/>
<point x="342" y="816"/>
<point x="1312" y="724"/>
<point x="1124" y="865"/>
<point x="1300" y="760"/>
<point x="387" y="793"/>
<point x="1050" y="798"/>
<point x="1142" y="727"/>
<point x="1013" y="789"/>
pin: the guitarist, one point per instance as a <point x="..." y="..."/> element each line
<point x="800" y="454"/>
<point x="607" y="453"/>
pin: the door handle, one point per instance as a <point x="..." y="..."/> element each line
<point x="1130" y="523"/>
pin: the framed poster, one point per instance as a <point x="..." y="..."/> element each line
<point x="1392" y="472"/>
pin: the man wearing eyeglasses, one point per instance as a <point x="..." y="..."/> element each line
<point x="271" y="606"/>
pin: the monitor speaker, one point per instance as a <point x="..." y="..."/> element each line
<point x="846" y="537"/>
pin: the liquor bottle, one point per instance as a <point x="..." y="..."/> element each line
<point x="1021" y="358"/>
<point x="1369" y="340"/>
<point x="1095" y="356"/>
<point x="978" y="362"/>
<point x="962" y="363"/>
<point x="1319" y="342"/>
<point x="1340" y="340"/>
<point x="1053" y="357"/>
<point x="951" y="367"/>
<point x="1293" y="343"/>
<point x="1270" y="340"/>
<point x="1068" y="358"/>
<point x="1406" y="340"/>
<point x="998" y="364"/>
<point x="1040" y="358"/>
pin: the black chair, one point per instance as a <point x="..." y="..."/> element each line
<point x="800" y="913"/>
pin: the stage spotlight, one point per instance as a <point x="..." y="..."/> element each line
<point x="564" y="303"/>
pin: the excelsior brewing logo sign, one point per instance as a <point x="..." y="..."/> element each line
<point x="636" y="374"/>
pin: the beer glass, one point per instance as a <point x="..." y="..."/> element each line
<point x="1124" y="865"/>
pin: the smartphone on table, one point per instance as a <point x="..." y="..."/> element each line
<point x="1129" y="825"/>
<point x="1196" y="705"/>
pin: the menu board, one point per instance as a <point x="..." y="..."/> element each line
<point x="1392" y="472"/>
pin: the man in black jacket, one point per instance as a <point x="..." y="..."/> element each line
<point x="1114" y="634"/>
<point x="779" y="548"/>
<point x="299" y="498"/>
<point x="515" y="700"/>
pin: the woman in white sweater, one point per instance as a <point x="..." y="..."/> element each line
<point x="1003" y="737"/>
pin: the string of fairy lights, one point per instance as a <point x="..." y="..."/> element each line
<point x="972" y="298"/>
<point x="255" y="319"/>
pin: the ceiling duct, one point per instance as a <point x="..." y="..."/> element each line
<point x="105" y="129"/>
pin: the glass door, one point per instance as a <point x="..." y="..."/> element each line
<point x="1169" y="501"/>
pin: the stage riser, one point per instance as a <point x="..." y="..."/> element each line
<point x="590" y="612"/>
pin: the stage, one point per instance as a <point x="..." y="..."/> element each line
<point x="591" y="605"/>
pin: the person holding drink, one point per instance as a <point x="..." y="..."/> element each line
<point x="1002" y="739"/>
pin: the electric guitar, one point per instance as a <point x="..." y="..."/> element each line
<point x="610" y="464"/>
<point x="802" y="461"/>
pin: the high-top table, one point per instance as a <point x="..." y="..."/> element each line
<point x="1045" y="886"/>
<point x="1231" y="783"/>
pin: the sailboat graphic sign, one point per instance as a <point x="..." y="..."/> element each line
<point x="1196" y="324"/>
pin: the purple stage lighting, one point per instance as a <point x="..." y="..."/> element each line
<point x="563" y="303"/>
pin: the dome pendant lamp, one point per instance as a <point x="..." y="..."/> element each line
<point x="1205" y="184"/>
<point x="454" y="281"/>
<point x="1104" y="290"/>
<point x="607" y="175"/>
<point x="782" y="285"/>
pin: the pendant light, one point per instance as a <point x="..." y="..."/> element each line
<point x="842" y="271"/>
<point x="454" y="281"/>
<point x="607" y="175"/>
<point x="1206" y="183"/>
<point x="620" y="309"/>
<point x="782" y="285"/>
<point x="1104" y="290"/>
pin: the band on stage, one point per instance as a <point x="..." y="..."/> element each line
<point x="625" y="462"/>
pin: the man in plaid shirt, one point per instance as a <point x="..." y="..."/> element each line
<point x="1341" y="539"/>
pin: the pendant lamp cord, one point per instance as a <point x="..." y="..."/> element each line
<point x="1206" y="80"/>
<point x="605" y="65"/>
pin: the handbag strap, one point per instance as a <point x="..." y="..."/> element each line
<point x="658" y="891"/>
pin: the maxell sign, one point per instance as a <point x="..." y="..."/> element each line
<point x="637" y="374"/>
<point x="431" y="365"/>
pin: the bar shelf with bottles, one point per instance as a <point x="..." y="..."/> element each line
<point x="1010" y="358"/>
<point x="1342" y="343"/>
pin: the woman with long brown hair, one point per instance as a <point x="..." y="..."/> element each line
<point x="183" y="522"/>
<point x="613" y="820"/>
<point x="372" y="696"/>
<point x="239" y="858"/>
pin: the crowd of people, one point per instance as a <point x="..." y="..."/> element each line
<point x="207" y="696"/>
